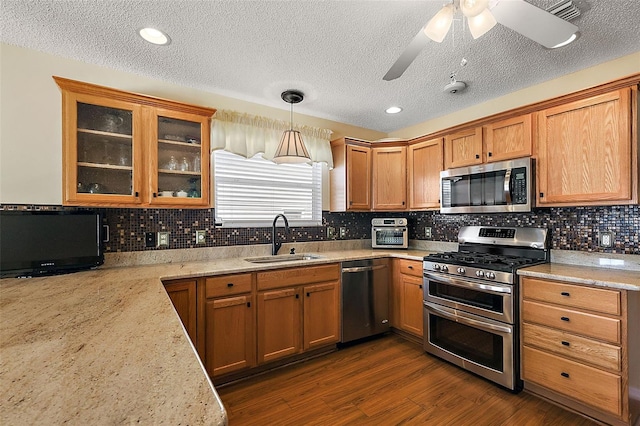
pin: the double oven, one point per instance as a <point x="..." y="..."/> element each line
<point x="471" y="300"/>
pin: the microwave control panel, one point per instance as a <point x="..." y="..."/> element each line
<point x="519" y="186"/>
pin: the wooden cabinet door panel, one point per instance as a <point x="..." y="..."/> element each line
<point x="508" y="139"/>
<point x="582" y="323"/>
<point x="411" y="304"/>
<point x="183" y="297"/>
<point x="389" y="184"/>
<point x="565" y="294"/>
<point x="321" y="315"/>
<point x="585" y="150"/>
<point x="358" y="178"/>
<point x="463" y="148"/>
<point x="230" y="334"/>
<point x="279" y="316"/>
<point x="578" y="381"/>
<point x="425" y="162"/>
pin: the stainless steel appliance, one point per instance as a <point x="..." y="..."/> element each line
<point x="365" y="299"/>
<point x="471" y="299"/>
<point x="503" y="186"/>
<point x="389" y="233"/>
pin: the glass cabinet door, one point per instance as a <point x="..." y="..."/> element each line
<point x="104" y="150"/>
<point x="181" y="160"/>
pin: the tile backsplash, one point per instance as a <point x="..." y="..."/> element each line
<point x="572" y="228"/>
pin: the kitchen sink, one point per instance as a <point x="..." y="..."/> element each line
<point x="283" y="258"/>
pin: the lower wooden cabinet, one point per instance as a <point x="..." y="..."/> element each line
<point x="321" y="315"/>
<point x="183" y="296"/>
<point x="580" y="347"/>
<point x="406" y="297"/>
<point x="279" y="333"/>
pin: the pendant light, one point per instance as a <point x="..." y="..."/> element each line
<point x="291" y="148"/>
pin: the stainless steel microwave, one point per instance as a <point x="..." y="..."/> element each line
<point x="504" y="186"/>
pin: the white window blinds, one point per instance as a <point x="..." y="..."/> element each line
<point x="250" y="192"/>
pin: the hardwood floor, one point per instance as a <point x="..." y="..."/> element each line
<point x="387" y="381"/>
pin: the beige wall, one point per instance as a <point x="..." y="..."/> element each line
<point x="30" y="118"/>
<point x="570" y="83"/>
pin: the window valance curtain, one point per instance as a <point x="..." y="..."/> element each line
<point x="248" y="135"/>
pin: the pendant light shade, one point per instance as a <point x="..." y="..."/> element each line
<point x="471" y="8"/>
<point x="438" y="27"/>
<point x="481" y="23"/>
<point x="291" y="148"/>
<point x="477" y="13"/>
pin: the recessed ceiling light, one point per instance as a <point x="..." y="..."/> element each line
<point x="393" y="110"/>
<point x="569" y="40"/>
<point x="154" y="36"/>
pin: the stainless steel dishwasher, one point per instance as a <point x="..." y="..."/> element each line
<point x="365" y="298"/>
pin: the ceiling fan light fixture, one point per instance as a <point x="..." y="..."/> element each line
<point x="471" y="8"/>
<point x="481" y="23"/>
<point x="438" y="27"/>
<point x="571" y="39"/>
<point x="291" y="148"/>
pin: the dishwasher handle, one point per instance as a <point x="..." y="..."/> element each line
<point x="363" y="268"/>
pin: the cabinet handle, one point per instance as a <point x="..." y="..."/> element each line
<point x="564" y="318"/>
<point x="297" y="296"/>
<point x="477" y="156"/>
<point x="403" y="203"/>
<point x="410" y="267"/>
<point x="565" y="343"/>
<point x="308" y="294"/>
<point x="229" y="284"/>
<point x="420" y="286"/>
<point x="350" y="202"/>
<point x="565" y="293"/>
<point x="542" y="195"/>
<point x="490" y="154"/>
<point x="563" y="374"/>
<point x="248" y="304"/>
<point x="136" y="194"/>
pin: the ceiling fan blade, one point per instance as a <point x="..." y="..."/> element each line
<point x="408" y="56"/>
<point x="533" y="22"/>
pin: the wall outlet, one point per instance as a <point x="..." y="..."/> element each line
<point x="163" y="239"/>
<point x="605" y="239"/>
<point x="331" y="232"/>
<point x="149" y="239"/>
<point x="427" y="232"/>
<point x="343" y="232"/>
<point x="201" y="237"/>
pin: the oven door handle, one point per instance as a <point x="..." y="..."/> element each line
<point x="458" y="316"/>
<point x="487" y="288"/>
<point x="363" y="268"/>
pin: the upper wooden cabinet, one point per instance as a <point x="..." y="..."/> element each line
<point x="125" y="149"/>
<point x="586" y="153"/>
<point x="350" y="178"/>
<point x="508" y="139"/>
<point x="463" y="148"/>
<point x="389" y="182"/>
<point x="425" y="161"/>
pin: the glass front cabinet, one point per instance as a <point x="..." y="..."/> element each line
<point x="125" y="149"/>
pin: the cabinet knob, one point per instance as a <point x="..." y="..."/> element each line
<point x="136" y="194"/>
<point x="542" y="195"/>
<point x="565" y="293"/>
<point x="565" y="343"/>
<point x="154" y="195"/>
<point x="564" y="318"/>
<point x="403" y="203"/>
<point x="477" y="156"/>
<point x="420" y="286"/>
<point x="308" y="294"/>
<point x="229" y="284"/>
<point x="410" y="267"/>
<point x="248" y="304"/>
<point x="490" y="154"/>
<point x="563" y="374"/>
<point x="297" y="296"/>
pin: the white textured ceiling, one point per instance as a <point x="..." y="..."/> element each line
<point x="335" y="51"/>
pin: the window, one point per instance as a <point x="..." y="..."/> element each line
<point x="252" y="191"/>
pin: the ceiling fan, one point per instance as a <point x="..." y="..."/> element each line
<point x="532" y="22"/>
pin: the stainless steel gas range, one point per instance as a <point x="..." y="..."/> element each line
<point x="471" y="299"/>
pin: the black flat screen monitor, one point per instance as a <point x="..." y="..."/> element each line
<point x="34" y="243"/>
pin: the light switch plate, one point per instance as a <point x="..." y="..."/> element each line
<point x="163" y="239"/>
<point x="343" y="232"/>
<point x="427" y="232"/>
<point x="201" y="237"/>
<point x="331" y="232"/>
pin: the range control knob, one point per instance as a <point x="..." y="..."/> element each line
<point x="436" y="267"/>
<point x="461" y="271"/>
<point x="480" y="274"/>
<point x="490" y="275"/>
<point x="444" y="268"/>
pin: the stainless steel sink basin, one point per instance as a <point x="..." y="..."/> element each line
<point x="283" y="258"/>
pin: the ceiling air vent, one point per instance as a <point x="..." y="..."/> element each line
<point x="565" y="10"/>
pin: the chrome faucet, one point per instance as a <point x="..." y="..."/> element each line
<point x="274" y="245"/>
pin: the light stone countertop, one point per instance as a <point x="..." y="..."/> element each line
<point x="105" y="346"/>
<point x="601" y="277"/>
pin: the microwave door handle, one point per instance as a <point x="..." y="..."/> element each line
<point x="507" y="186"/>
<point x="459" y="317"/>
<point x="487" y="288"/>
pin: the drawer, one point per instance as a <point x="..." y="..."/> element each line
<point x="566" y="344"/>
<point x="226" y="285"/>
<point x="597" y="388"/>
<point x="410" y="267"/>
<point x="296" y="276"/>
<point x="593" y="299"/>
<point x="583" y="323"/>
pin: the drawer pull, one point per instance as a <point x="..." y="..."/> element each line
<point x="565" y="343"/>
<point x="565" y="293"/>
<point x="248" y="304"/>
<point x="563" y="374"/>
<point x="564" y="318"/>
<point x="229" y="284"/>
<point x="410" y="267"/>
